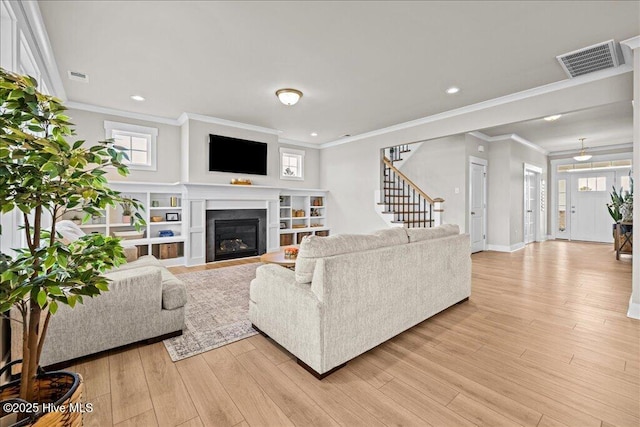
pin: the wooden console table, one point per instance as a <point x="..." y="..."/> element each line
<point x="624" y="238"/>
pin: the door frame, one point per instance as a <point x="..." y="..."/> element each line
<point x="485" y="164"/>
<point x="555" y="175"/>
<point x="537" y="171"/>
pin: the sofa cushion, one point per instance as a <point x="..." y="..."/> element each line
<point x="143" y="261"/>
<point x="419" y="234"/>
<point x="314" y="247"/>
<point x="174" y="293"/>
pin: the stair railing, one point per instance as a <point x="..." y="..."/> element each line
<point x="411" y="206"/>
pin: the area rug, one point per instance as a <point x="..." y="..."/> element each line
<point x="217" y="310"/>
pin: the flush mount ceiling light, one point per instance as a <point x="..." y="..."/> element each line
<point x="289" y="96"/>
<point x="137" y="98"/>
<point x="314" y="133"/>
<point x="553" y="118"/>
<point x="582" y="157"/>
<point x="452" y="90"/>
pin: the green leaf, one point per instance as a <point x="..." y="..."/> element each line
<point x="53" y="307"/>
<point x="42" y="298"/>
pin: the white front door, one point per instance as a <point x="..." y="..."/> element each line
<point x="477" y="206"/>
<point x="590" y="219"/>
<point x="530" y="206"/>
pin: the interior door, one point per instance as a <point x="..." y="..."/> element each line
<point x="530" y="206"/>
<point x="478" y="207"/>
<point x="590" y="219"/>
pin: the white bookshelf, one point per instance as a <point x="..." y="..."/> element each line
<point x="302" y="215"/>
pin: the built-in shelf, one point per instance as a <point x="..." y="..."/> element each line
<point x="165" y="208"/>
<point x="93" y="225"/>
<point x="154" y="240"/>
<point x="121" y="224"/>
<point x="307" y="203"/>
<point x="166" y="223"/>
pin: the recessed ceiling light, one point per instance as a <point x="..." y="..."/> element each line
<point x="137" y="97"/>
<point x="553" y="118"/>
<point x="453" y="90"/>
<point x="314" y="133"/>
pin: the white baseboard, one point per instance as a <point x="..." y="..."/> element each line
<point x="501" y="248"/>
<point x="634" y="310"/>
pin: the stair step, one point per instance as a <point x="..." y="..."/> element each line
<point x="407" y="221"/>
<point x="400" y="204"/>
<point x="406" y="212"/>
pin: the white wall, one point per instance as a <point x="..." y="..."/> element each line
<point x="438" y="168"/>
<point x="90" y="127"/>
<point x="198" y="155"/>
<point x="498" y="194"/>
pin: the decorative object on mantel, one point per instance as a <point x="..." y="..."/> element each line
<point x="48" y="272"/>
<point x="241" y="181"/>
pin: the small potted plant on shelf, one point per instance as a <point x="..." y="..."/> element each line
<point x="127" y="210"/>
<point x="42" y="175"/>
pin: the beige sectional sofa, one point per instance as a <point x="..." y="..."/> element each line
<point x="349" y="293"/>
<point x="144" y="302"/>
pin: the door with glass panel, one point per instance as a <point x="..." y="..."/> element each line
<point x="589" y="195"/>
<point x="530" y="206"/>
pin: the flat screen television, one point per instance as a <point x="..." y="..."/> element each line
<point x="228" y="154"/>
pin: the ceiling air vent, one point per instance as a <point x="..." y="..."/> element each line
<point x="589" y="59"/>
<point x="78" y="76"/>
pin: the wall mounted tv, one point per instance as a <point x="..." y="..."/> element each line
<point x="228" y="154"/>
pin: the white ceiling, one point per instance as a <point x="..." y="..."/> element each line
<point x="361" y="65"/>
<point x="610" y="124"/>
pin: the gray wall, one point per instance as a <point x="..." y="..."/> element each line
<point x="90" y="127"/>
<point x="498" y="193"/>
<point x="198" y="155"/>
<point x="183" y="152"/>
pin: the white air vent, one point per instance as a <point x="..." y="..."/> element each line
<point x="78" y="76"/>
<point x="589" y="59"/>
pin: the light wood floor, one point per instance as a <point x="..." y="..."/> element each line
<point x="543" y="341"/>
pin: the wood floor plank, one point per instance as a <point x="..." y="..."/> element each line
<point x="215" y="407"/>
<point x="240" y="347"/>
<point x="101" y="413"/>
<point x="193" y="422"/>
<point x="373" y="400"/>
<point x="168" y="393"/>
<point x="479" y="414"/>
<point x="547" y="421"/>
<point x="271" y="349"/>
<point x="254" y="404"/>
<point x="421" y="405"/>
<point x="343" y="409"/>
<point x="296" y="405"/>
<point x="369" y="372"/>
<point x="95" y="374"/>
<point x="146" y="419"/>
<point x="129" y="389"/>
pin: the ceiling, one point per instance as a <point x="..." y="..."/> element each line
<point x="361" y="65"/>
<point x="605" y="125"/>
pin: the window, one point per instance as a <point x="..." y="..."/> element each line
<point x="291" y="164"/>
<point x="562" y="205"/>
<point x="625" y="183"/>
<point x="593" y="183"/>
<point x="137" y="142"/>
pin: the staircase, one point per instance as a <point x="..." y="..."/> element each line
<point x="400" y="202"/>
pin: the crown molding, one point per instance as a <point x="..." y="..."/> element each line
<point x="298" y="143"/>
<point x="517" y="96"/>
<point x="511" y="136"/>
<point x="230" y="123"/>
<point x="121" y="113"/>
<point x="628" y="145"/>
<point x="33" y="26"/>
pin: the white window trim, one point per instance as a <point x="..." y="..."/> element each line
<point x="109" y="127"/>
<point x="293" y="152"/>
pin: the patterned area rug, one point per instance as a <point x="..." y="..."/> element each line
<point x="217" y="311"/>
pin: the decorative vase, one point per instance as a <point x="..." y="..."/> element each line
<point x="126" y="219"/>
<point x="54" y="390"/>
<point x="626" y="210"/>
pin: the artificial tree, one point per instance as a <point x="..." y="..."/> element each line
<point x="43" y="176"/>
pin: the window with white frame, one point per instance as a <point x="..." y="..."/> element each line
<point x="291" y="164"/>
<point x="137" y="142"/>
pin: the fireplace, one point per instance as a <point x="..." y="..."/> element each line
<point x="235" y="233"/>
